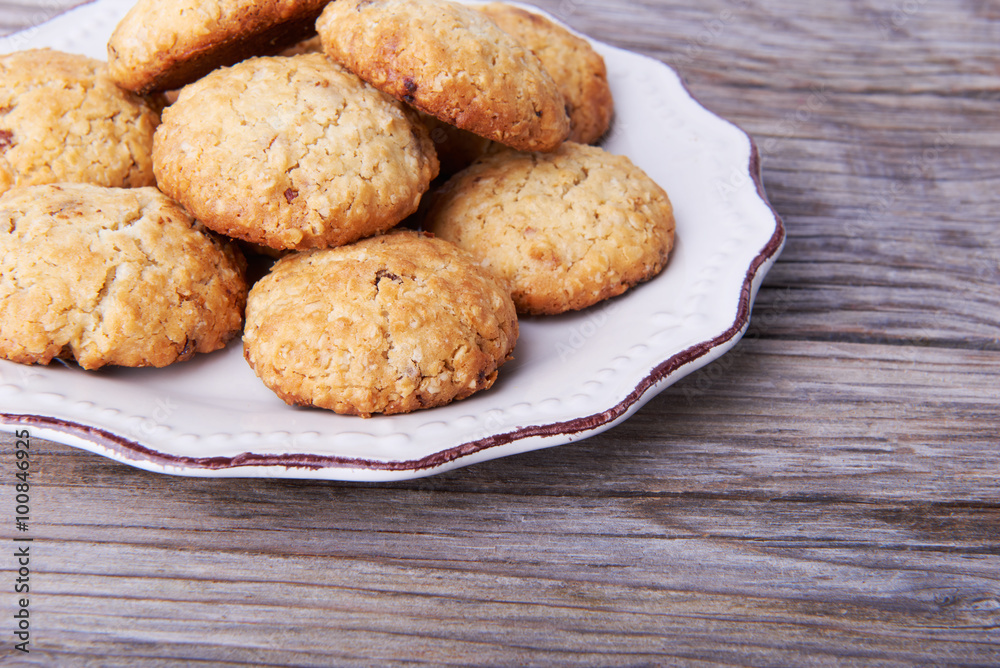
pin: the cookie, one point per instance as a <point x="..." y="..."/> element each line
<point x="449" y="61"/>
<point x="387" y="325"/>
<point x="165" y="44"/>
<point x="292" y="153"/>
<point x="112" y="276"/>
<point x="62" y="119"/>
<point x="567" y="229"/>
<point x="577" y="69"/>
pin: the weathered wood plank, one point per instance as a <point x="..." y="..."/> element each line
<point x="766" y="605"/>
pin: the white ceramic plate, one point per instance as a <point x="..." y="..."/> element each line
<point x="573" y="375"/>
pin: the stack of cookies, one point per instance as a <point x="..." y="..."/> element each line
<point x="314" y="148"/>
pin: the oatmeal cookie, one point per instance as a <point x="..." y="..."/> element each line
<point x="62" y="119"/>
<point x="568" y="229"/>
<point x="577" y="69"/>
<point x="452" y="62"/>
<point x="165" y="44"/>
<point x="387" y="325"/>
<point x="112" y="276"/>
<point x="292" y="152"/>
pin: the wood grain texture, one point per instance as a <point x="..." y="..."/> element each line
<point x="824" y="494"/>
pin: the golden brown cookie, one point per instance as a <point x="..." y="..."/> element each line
<point x="387" y="325"/>
<point x="292" y="153"/>
<point x="567" y="229"/>
<point x="62" y="119"/>
<point x="164" y="44"/>
<point x="577" y="69"/>
<point x="452" y="62"/>
<point x="112" y="276"/>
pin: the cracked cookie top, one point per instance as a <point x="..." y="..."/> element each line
<point x="387" y="325"/>
<point x="112" y="276"/>
<point x="166" y="44"/>
<point x="452" y="62"/>
<point x="292" y="152"/>
<point x="568" y="229"/>
<point x="578" y="70"/>
<point x="62" y="119"/>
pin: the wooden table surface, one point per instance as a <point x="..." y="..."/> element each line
<point x="825" y="494"/>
